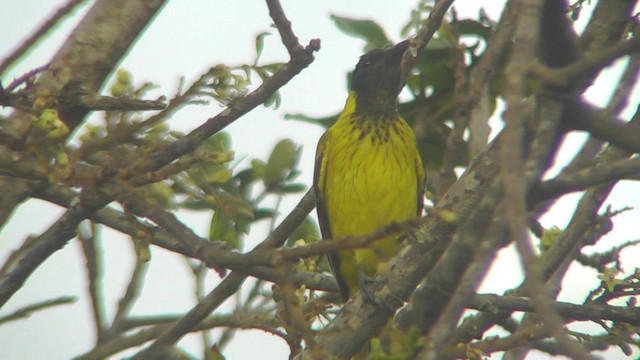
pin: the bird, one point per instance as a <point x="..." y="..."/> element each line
<point x="368" y="171"/>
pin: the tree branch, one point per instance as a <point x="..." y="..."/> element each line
<point x="39" y="34"/>
<point x="229" y="285"/>
<point x="236" y="320"/>
<point x="93" y="264"/>
<point x="586" y="178"/>
<point x="26" y="311"/>
<point x="591" y="62"/>
<point x="630" y="315"/>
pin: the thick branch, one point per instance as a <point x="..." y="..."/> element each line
<point x="99" y="42"/>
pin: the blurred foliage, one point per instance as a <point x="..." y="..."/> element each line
<point x="367" y="30"/>
<point x="236" y="196"/>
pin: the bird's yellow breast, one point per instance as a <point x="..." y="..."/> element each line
<point x="370" y="176"/>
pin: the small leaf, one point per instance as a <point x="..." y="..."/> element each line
<point x="293" y="188"/>
<point x="325" y="122"/>
<point x="221" y="229"/>
<point x="368" y="30"/>
<point x="307" y="230"/>
<point x="220" y="142"/>
<point x="549" y="237"/>
<point x="218" y="175"/>
<point x="273" y="101"/>
<point x="259" y="168"/>
<point x="246" y="178"/>
<point x="260" y="45"/>
<point x="272" y="68"/>
<point x="282" y="161"/>
<point x="262" y="213"/>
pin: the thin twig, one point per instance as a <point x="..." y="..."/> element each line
<point x="130" y="296"/>
<point x="26" y="311"/>
<point x="229" y="285"/>
<point x="48" y="25"/>
<point x="93" y="264"/>
<point x="236" y="320"/>
<point x="46" y="244"/>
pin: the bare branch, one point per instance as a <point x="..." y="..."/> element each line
<point x="236" y="320"/>
<point x="230" y="284"/>
<point x="26" y="311"/>
<point x="93" y="264"/>
<point x="49" y="24"/>
<point x="586" y="178"/>
<point x="630" y="315"/>
<point x="45" y="245"/>
<point x="127" y="301"/>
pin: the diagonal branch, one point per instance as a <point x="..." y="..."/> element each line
<point x="37" y="251"/>
<point x="229" y="285"/>
<point x="64" y="229"/>
<point x="27" y="311"/>
<point x="39" y="34"/>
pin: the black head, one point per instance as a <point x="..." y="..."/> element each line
<point x="377" y="79"/>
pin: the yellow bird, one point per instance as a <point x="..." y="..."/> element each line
<point x="368" y="170"/>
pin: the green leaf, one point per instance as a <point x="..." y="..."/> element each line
<point x="325" y="122"/>
<point x="263" y="213"/>
<point x="246" y="178"/>
<point x="260" y="45"/>
<point x="219" y="143"/>
<point x="233" y="206"/>
<point x="272" y="68"/>
<point x="307" y="230"/>
<point x="221" y="175"/>
<point x="195" y="205"/>
<point x="259" y="168"/>
<point x="221" y="229"/>
<point x="368" y="30"/>
<point x="273" y="101"/>
<point x="294" y="173"/>
<point x="293" y="188"/>
<point x="549" y="237"/>
<point x="282" y="161"/>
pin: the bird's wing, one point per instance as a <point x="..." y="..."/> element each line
<point x="319" y="182"/>
<point x="421" y="178"/>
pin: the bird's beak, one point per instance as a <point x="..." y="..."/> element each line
<point x="400" y="48"/>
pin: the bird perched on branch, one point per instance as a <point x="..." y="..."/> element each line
<point x="368" y="171"/>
